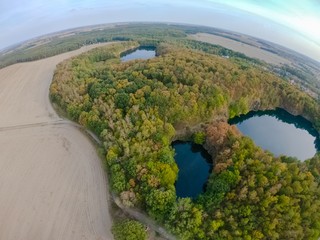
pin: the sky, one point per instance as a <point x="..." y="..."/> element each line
<point x="292" y="23"/>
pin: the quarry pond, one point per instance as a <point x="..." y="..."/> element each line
<point x="280" y="133"/>
<point x="195" y="165"/>
<point x="138" y="53"/>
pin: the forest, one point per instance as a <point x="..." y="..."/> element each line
<point x="144" y="33"/>
<point x="303" y="71"/>
<point x="137" y="107"/>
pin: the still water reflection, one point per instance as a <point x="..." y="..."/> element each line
<point x="280" y="132"/>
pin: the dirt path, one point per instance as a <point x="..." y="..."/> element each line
<point x="52" y="185"/>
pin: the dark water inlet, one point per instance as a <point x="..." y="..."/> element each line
<point x="195" y="165"/>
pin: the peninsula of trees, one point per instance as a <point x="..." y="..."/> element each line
<point x="138" y="107"/>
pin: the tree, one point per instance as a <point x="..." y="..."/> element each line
<point x="159" y="202"/>
<point x="122" y="100"/>
<point x="129" y="230"/>
<point x="199" y="138"/>
<point x="185" y="219"/>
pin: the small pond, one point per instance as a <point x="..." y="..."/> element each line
<point x="138" y="53"/>
<point x="280" y="132"/>
<point x="195" y="165"/>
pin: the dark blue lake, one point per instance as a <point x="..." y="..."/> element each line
<point x="280" y="132"/>
<point x="139" y="53"/>
<point x="195" y="165"/>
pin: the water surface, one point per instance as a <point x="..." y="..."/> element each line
<point x="139" y="53"/>
<point x="194" y="168"/>
<point x="280" y="132"/>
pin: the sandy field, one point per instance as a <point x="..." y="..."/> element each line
<point x="52" y="184"/>
<point x="246" y="49"/>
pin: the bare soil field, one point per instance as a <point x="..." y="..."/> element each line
<point x="52" y="184"/>
<point x="246" y="49"/>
